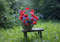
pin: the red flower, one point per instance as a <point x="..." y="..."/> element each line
<point x="36" y="17"/>
<point x="32" y="10"/>
<point x="33" y="15"/>
<point x="20" y="17"/>
<point x="25" y="15"/>
<point x="27" y="8"/>
<point x="32" y="18"/>
<point x="27" y="18"/>
<point x="21" y="13"/>
<point x="34" y="22"/>
<point x="24" y="21"/>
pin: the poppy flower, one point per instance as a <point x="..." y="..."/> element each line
<point x="34" y="22"/>
<point x="27" y="8"/>
<point x="27" y="18"/>
<point x="25" y="15"/>
<point x="21" y="12"/>
<point x="36" y="17"/>
<point x="20" y="17"/>
<point x="32" y="10"/>
<point x="32" y="18"/>
<point x="33" y="15"/>
<point x="24" y="21"/>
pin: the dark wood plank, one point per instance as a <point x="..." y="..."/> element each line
<point x="33" y="29"/>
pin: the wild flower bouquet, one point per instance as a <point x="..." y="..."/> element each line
<point x="27" y="17"/>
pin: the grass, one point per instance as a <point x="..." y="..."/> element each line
<point x="51" y="33"/>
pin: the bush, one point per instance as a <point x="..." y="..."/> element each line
<point x="5" y="14"/>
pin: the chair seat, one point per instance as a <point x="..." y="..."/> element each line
<point x="33" y="29"/>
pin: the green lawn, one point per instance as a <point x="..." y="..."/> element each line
<point x="51" y="33"/>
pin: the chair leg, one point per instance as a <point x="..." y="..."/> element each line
<point x="40" y="33"/>
<point x="25" y="34"/>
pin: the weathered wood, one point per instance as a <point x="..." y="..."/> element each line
<point x="33" y="30"/>
<point x="40" y="33"/>
<point x="25" y="34"/>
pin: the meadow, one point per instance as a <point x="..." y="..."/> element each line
<point x="51" y="33"/>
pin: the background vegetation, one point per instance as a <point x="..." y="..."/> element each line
<point x="51" y="33"/>
<point x="45" y="9"/>
<point x="48" y="9"/>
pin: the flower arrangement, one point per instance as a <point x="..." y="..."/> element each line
<point x="28" y="18"/>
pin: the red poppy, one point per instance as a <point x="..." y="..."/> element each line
<point x="24" y="21"/>
<point x="25" y="15"/>
<point x="36" y="17"/>
<point x="33" y="15"/>
<point x="32" y="10"/>
<point x="20" y="17"/>
<point x="34" y="22"/>
<point x="27" y="8"/>
<point x="21" y="12"/>
<point x="27" y="18"/>
<point x="32" y="18"/>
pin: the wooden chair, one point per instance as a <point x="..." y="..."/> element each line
<point x="39" y="30"/>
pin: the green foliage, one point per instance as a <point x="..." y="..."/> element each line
<point x="5" y="14"/>
<point x="51" y="33"/>
<point x="50" y="9"/>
